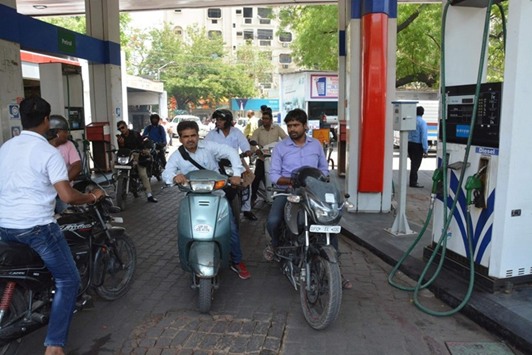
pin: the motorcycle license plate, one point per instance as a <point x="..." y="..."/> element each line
<point x="122" y="167"/>
<point x="118" y="220"/>
<point x="317" y="228"/>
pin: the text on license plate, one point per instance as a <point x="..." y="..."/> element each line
<point x="316" y="228"/>
<point x="123" y="167"/>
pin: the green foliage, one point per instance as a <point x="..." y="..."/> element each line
<point x="497" y="42"/>
<point x="196" y="71"/>
<point x="418" y="45"/>
<point x="316" y="35"/>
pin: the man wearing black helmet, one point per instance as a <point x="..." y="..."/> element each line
<point x="57" y="136"/>
<point x="225" y="133"/>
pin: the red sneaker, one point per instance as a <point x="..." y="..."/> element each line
<point x="241" y="270"/>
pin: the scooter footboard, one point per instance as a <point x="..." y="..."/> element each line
<point x="204" y="258"/>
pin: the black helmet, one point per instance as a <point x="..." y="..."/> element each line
<point x="57" y="122"/>
<point x="224" y="115"/>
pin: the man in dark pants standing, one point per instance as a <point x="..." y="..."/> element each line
<point x="418" y="146"/>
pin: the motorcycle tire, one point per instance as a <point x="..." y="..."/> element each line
<point x="121" y="193"/>
<point x="321" y="302"/>
<point x="16" y="309"/>
<point x="117" y="279"/>
<point x="205" y="295"/>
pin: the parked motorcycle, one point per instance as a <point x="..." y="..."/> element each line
<point x="105" y="257"/>
<point x="204" y="232"/>
<point x="311" y="215"/>
<point x="126" y="176"/>
<point x="126" y="171"/>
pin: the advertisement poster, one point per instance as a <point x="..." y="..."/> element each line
<point x="324" y="86"/>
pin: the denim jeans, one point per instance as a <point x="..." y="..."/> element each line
<point x="275" y="219"/>
<point x="236" y="251"/>
<point x="48" y="241"/>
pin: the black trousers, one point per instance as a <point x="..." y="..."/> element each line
<point x="415" y="153"/>
<point x="259" y="176"/>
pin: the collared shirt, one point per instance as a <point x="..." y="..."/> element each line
<point x="235" y="139"/>
<point x="69" y="153"/>
<point x="420" y="135"/>
<point x="207" y="155"/>
<point x="264" y="137"/>
<point x="29" y="168"/>
<point x="287" y="157"/>
<point x="251" y="126"/>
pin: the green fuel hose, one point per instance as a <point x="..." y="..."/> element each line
<point x="442" y="176"/>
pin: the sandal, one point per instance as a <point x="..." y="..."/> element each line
<point x="346" y="284"/>
<point x="268" y="253"/>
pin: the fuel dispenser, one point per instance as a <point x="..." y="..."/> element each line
<point x="478" y="188"/>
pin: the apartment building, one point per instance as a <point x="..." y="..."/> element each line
<point x="237" y="26"/>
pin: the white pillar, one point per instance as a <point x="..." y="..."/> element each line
<point x="511" y="244"/>
<point x="11" y="85"/>
<point x="105" y="79"/>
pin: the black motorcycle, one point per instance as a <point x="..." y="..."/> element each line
<point x="126" y="171"/>
<point x="311" y="215"/>
<point x="105" y="257"/>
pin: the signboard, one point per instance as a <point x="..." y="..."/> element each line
<point x="324" y="86"/>
<point x="66" y="41"/>
<point x="253" y="104"/>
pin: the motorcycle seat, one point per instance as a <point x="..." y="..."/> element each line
<point x="18" y="254"/>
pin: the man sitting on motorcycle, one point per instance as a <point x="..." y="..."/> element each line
<point x="207" y="154"/>
<point x="32" y="174"/>
<point x="291" y="153"/>
<point x="156" y="132"/>
<point x="131" y="139"/>
<point x="264" y="135"/>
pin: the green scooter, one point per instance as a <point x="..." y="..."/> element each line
<point x="204" y="232"/>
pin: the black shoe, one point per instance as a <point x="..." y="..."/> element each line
<point x="152" y="199"/>
<point x="249" y="215"/>
<point x="417" y="186"/>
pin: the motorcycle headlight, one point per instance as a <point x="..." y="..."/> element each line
<point x="324" y="213"/>
<point x="122" y="160"/>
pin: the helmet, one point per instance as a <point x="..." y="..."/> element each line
<point x="57" y="122"/>
<point x="224" y="115"/>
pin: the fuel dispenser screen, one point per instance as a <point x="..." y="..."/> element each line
<point x="460" y="103"/>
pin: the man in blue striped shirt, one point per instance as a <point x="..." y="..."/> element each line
<point x="418" y="146"/>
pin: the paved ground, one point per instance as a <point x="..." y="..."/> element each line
<point x="261" y="315"/>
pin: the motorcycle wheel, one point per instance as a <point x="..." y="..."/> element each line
<point x="321" y="302"/>
<point x="205" y="295"/>
<point x="17" y="307"/>
<point x="117" y="279"/>
<point x="121" y="193"/>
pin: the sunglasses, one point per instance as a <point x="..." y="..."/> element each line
<point x="122" y="127"/>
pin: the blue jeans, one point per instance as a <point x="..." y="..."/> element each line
<point x="275" y="219"/>
<point x="236" y="251"/>
<point x="48" y="241"/>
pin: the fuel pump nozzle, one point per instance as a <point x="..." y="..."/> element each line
<point x="437" y="179"/>
<point x="473" y="183"/>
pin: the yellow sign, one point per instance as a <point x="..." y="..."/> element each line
<point x="321" y="134"/>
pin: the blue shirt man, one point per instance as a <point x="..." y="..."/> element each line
<point x="293" y="152"/>
<point x="418" y="146"/>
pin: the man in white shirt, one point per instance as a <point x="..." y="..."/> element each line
<point x="206" y="154"/>
<point x="225" y="133"/>
<point x="32" y="173"/>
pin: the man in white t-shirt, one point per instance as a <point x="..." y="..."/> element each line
<point x="32" y="174"/>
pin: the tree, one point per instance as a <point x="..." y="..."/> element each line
<point x="316" y="35"/>
<point x="197" y="71"/>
